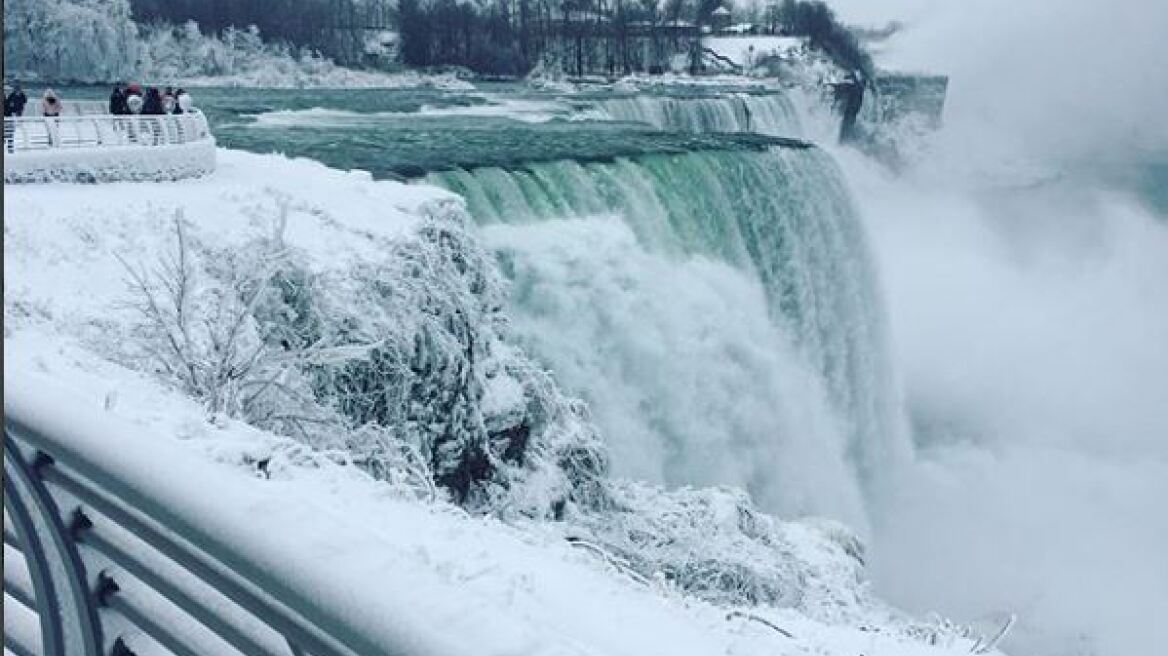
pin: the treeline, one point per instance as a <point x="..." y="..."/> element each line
<point x="816" y="21"/>
<point x="501" y="38"/>
<point x="334" y="28"/>
<point x="508" y="37"/>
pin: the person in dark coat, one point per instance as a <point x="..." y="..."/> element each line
<point x="15" y="101"/>
<point x="117" y="101"/>
<point x="153" y="102"/>
<point x="182" y="102"/>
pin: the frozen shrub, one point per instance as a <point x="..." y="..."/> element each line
<point x="398" y="362"/>
<point x="714" y="544"/>
<point x="206" y="323"/>
<point x="487" y="422"/>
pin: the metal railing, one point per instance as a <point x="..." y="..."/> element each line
<point x="93" y="567"/>
<point x="26" y="134"/>
<point x="84" y="107"/>
<point x="74" y="107"/>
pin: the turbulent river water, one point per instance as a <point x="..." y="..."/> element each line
<point x="952" y="370"/>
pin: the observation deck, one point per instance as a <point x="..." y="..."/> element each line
<point x="88" y="144"/>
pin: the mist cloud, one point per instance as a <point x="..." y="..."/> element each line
<point x="1069" y="79"/>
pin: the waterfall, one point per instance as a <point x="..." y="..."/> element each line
<point x="717" y="309"/>
<point x="771" y="114"/>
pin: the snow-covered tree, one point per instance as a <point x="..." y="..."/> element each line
<point x="98" y="41"/>
<point x="81" y="40"/>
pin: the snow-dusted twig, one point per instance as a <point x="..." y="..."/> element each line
<point x="986" y="644"/>
<point x="619" y="564"/>
<point x="755" y="618"/>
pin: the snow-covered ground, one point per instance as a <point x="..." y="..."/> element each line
<point x="422" y="571"/>
<point x="745" y="50"/>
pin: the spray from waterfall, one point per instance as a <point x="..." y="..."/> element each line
<point x="716" y="309"/>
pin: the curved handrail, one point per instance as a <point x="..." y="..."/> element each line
<point x="244" y="570"/>
<point x="87" y="494"/>
<point x="25" y="134"/>
<point x="77" y="107"/>
<point x="47" y="541"/>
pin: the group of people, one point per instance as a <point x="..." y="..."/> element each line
<point x="130" y="99"/>
<point x="124" y="100"/>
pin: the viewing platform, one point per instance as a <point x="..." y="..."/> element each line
<point x="88" y="144"/>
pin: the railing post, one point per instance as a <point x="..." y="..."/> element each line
<point x="70" y="626"/>
<point x="36" y="559"/>
<point x="180" y="134"/>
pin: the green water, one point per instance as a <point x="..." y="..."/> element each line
<point x="410" y="147"/>
<point x="405" y="133"/>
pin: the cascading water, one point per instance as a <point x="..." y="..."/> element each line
<point x="716" y="308"/>
<point x="771" y="114"/>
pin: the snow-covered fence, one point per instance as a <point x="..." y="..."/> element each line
<point x="62" y="526"/>
<point x="89" y="131"/>
<point x="103" y="147"/>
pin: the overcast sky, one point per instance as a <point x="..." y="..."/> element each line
<point x="881" y="11"/>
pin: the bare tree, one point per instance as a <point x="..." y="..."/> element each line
<point x="202" y="334"/>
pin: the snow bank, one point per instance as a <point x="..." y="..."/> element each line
<point x="55" y="232"/>
<point x="745" y="51"/>
<point x="112" y="163"/>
